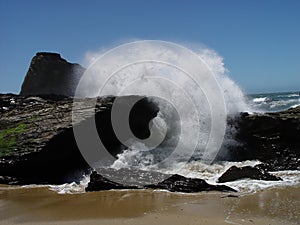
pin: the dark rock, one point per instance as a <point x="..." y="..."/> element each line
<point x="177" y="183"/>
<point x="272" y="138"/>
<point x="98" y="182"/>
<point x="174" y="183"/>
<point x="37" y="143"/>
<point x="50" y="74"/>
<point x="237" y="173"/>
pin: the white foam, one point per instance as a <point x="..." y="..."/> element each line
<point x="71" y="188"/>
<point x="289" y="178"/>
<point x="293" y="95"/>
<point x="295" y="106"/>
<point x="261" y="99"/>
<point x="275" y="104"/>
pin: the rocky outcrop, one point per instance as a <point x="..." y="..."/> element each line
<point x="246" y="172"/>
<point x="48" y="73"/>
<point x="36" y="137"/>
<point x="174" y="183"/>
<point x="37" y="143"/>
<point x="272" y="138"/>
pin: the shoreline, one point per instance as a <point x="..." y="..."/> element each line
<point x="41" y="206"/>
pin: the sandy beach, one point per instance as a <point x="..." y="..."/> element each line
<point x="42" y="206"/>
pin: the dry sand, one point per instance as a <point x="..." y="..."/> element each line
<point x="143" y="207"/>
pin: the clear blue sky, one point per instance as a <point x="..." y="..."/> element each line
<point x="260" y="40"/>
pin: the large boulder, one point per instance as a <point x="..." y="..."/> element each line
<point x="246" y="172"/>
<point x="48" y="73"/>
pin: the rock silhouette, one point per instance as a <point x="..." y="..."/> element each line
<point x="48" y="73"/>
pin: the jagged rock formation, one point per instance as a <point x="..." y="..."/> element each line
<point x="48" y="73"/>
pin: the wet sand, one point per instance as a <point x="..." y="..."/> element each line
<point x="42" y="206"/>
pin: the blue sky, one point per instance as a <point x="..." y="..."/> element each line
<point x="259" y="40"/>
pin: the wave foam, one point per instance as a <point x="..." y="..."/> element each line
<point x="71" y="188"/>
<point x="261" y="99"/>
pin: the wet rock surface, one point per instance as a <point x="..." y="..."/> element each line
<point x="246" y="172"/>
<point x="272" y="138"/>
<point x="178" y="183"/>
<point x="173" y="183"/>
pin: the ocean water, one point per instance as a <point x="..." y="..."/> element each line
<point x="273" y="102"/>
